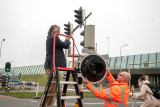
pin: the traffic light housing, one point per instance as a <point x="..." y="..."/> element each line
<point x="93" y="67"/>
<point x="82" y="42"/>
<point x="7" y="66"/>
<point x="80" y="15"/>
<point x="89" y="37"/>
<point x="69" y="29"/>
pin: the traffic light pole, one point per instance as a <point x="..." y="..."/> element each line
<point x="69" y="50"/>
<point x="7" y="81"/>
<point x="78" y="25"/>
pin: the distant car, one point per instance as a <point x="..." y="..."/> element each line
<point x="30" y="83"/>
<point x="12" y="79"/>
<point x="22" y="82"/>
<point x="12" y="84"/>
<point x="0" y="78"/>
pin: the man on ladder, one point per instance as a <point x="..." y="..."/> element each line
<point x="60" y="61"/>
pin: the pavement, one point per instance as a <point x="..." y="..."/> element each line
<point x="7" y="97"/>
<point x="8" y="101"/>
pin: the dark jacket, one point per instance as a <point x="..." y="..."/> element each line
<point x="59" y="54"/>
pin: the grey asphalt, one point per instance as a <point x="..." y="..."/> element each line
<point x="87" y="102"/>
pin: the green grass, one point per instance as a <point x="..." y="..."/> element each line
<point x="33" y="94"/>
<point x="22" y="94"/>
<point x="41" y="79"/>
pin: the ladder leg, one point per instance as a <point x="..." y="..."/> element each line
<point x="58" y="89"/>
<point x="46" y="89"/>
<point x="74" y="75"/>
<point x="65" y="86"/>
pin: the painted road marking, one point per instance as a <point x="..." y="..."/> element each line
<point x="95" y="103"/>
<point x="33" y="101"/>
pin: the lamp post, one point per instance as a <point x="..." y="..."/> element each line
<point x="13" y="62"/>
<point x="121" y="57"/>
<point x="1" y="46"/>
<point x="14" y="67"/>
<point x="108" y="46"/>
<point x="30" y="58"/>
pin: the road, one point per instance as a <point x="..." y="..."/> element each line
<point x="40" y="89"/>
<point x="7" y="101"/>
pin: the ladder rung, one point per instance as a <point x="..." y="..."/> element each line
<point x="67" y="82"/>
<point x="70" y="97"/>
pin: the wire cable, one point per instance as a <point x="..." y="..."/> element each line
<point x="77" y="50"/>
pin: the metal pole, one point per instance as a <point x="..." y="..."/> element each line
<point x="1" y="47"/>
<point x="7" y="83"/>
<point x="30" y="58"/>
<point x="14" y="67"/>
<point x="13" y="62"/>
<point x="121" y="57"/>
<point x="130" y="74"/>
<point x="108" y="45"/>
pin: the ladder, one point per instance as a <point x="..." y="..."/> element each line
<point x="43" y="99"/>
<point x="55" y="71"/>
<point x="73" y="71"/>
<point x="61" y="99"/>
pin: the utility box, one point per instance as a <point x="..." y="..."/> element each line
<point x="89" y="36"/>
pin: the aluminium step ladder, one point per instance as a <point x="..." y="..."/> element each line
<point x="43" y="99"/>
<point x="55" y="71"/>
<point x="61" y="99"/>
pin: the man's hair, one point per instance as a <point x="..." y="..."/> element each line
<point x="52" y="29"/>
<point x="143" y="78"/>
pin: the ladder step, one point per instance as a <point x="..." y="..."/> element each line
<point x="70" y="97"/>
<point x="67" y="82"/>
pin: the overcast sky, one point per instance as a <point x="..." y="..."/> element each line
<point x="24" y="25"/>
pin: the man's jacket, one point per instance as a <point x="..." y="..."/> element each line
<point x="59" y="54"/>
<point x="115" y="96"/>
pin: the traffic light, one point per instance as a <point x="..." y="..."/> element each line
<point x="7" y="66"/>
<point x="82" y="42"/>
<point x="89" y="37"/>
<point x="69" y="29"/>
<point x="80" y="15"/>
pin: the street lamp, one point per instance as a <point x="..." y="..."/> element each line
<point x="13" y="62"/>
<point x="108" y="46"/>
<point x="1" y="46"/>
<point x="14" y="66"/>
<point x="30" y="58"/>
<point x="121" y="57"/>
